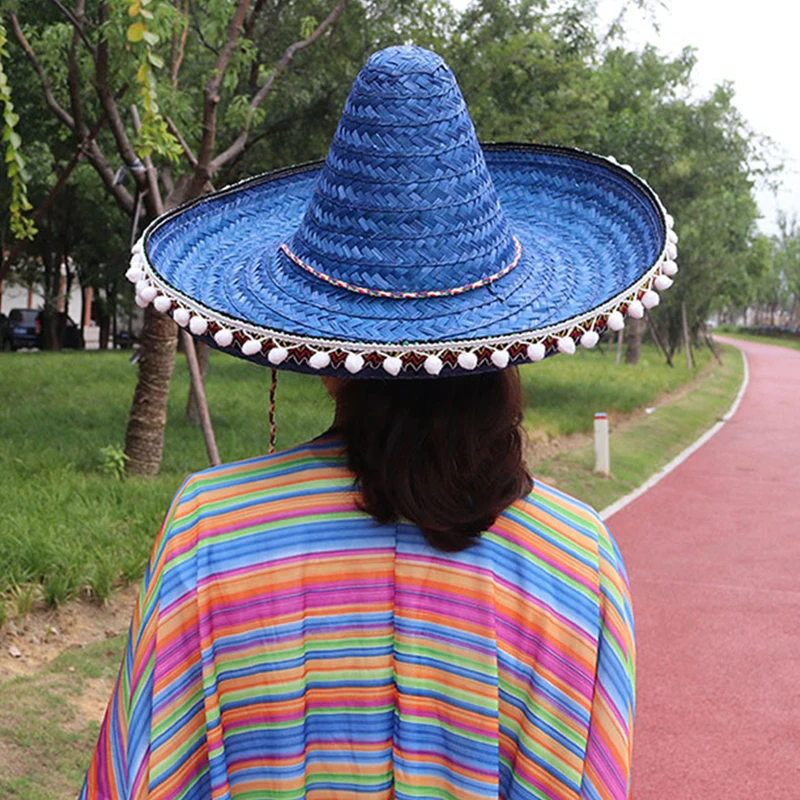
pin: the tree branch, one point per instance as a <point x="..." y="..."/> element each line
<point x="109" y="103"/>
<point x="73" y="74"/>
<point x="153" y="192"/>
<point x="49" y="97"/>
<point x="211" y="99"/>
<point x="187" y="151"/>
<point x="179" y="43"/>
<point x="76" y="20"/>
<point x="258" y="98"/>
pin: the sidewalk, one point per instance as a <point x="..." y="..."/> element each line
<point x="713" y="554"/>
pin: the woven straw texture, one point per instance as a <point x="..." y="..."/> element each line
<point x="408" y="201"/>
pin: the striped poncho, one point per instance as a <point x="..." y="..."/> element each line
<point x="285" y="646"/>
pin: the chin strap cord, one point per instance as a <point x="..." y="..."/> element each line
<point x="272" y="427"/>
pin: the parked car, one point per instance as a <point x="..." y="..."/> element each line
<point x="24" y="329"/>
<point x="125" y="340"/>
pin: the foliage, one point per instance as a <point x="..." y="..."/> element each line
<point x="703" y="160"/>
<point x="113" y="460"/>
<point x="21" y="225"/>
<point x="153" y="135"/>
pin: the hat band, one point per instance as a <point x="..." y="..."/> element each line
<point x="407" y="295"/>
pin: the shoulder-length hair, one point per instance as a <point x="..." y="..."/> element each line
<point x="445" y="454"/>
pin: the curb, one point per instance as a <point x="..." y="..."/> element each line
<point x="609" y="511"/>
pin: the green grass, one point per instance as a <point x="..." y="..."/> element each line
<point x="67" y="528"/>
<point x="46" y="741"/>
<point x="781" y="341"/>
<point x="563" y="394"/>
<point x="644" y="445"/>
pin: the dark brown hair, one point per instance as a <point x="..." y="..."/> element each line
<point x="446" y="454"/>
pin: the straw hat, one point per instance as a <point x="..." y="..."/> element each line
<point x="413" y="250"/>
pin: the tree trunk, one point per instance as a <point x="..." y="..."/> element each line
<point x="634" y="339"/>
<point x="144" y="438"/>
<point x="192" y="409"/>
<point x="105" y="325"/>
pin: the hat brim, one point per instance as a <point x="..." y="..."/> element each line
<point x="594" y="238"/>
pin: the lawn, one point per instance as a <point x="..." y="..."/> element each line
<point x="69" y="528"/>
<point x="642" y="445"/>
<point x="782" y="341"/>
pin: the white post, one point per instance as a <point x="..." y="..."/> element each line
<point x="602" y="461"/>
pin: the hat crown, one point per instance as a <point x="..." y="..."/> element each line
<point x="405" y="202"/>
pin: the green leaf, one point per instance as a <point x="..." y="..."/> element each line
<point x="15" y="140"/>
<point x="151" y="38"/>
<point x="136" y="32"/>
<point x="155" y="60"/>
<point x="307" y="26"/>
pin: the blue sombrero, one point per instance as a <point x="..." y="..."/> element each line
<point x="412" y="250"/>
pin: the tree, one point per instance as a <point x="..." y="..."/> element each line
<point x="704" y="160"/>
<point x="186" y="63"/>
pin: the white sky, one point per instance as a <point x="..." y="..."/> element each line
<point x="756" y="46"/>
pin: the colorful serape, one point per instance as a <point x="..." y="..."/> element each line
<point x="287" y="646"/>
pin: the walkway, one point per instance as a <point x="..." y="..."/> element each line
<point x="713" y="553"/>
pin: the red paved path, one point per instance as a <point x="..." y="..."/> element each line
<point x="713" y="553"/>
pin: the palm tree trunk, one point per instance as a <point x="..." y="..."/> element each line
<point x="144" y="438"/>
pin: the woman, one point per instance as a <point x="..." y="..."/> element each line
<point x="394" y="609"/>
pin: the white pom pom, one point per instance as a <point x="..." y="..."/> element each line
<point x="433" y="365"/>
<point x="197" y="325"/>
<point x="149" y="293"/>
<point x="500" y="358"/>
<point x="138" y="247"/>
<point x="141" y="302"/>
<point x="467" y="361"/>
<point x="141" y="285"/>
<point x="589" y="339"/>
<point x="635" y="309"/>
<point x="393" y="365"/>
<point x="277" y="355"/>
<point x="672" y="251"/>
<point x="536" y="352"/>
<point x="319" y="360"/>
<point x="670" y="220"/>
<point x="163" y="303"/>
<point x="616" y="321"/>
<point x="627" y="167"/>
<point x="354" y="363"/>
<point x="612" y="159"/>
<point x="650" y="299"/>
<point x="669" y="268"/>
<point x="134" y="274"/>
<point x="662" y="282"/>
<point x="224" y="337"/>
<point x="672" y="236"/>
<point x="251" y="347"/>
<point x="566" y="344"/>
<point x="181" y="316"/>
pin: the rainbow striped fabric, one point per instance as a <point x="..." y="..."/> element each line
<point x="287" y="646"/>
